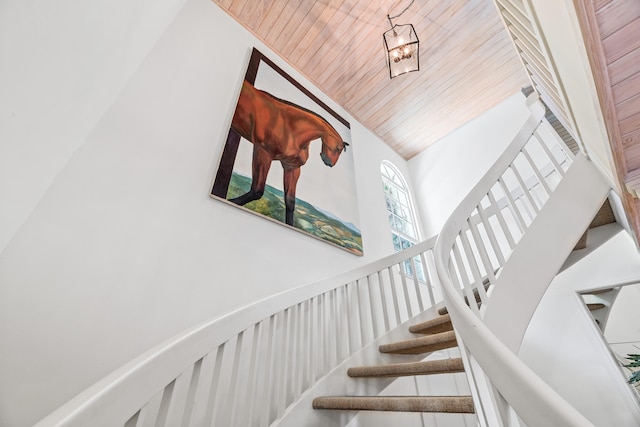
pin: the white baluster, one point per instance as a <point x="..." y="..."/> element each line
<point x="178" y="403"/>
<point x="512" y="206"/>
<point x="190" y="403"/>
<point x="394" y="293"/>
<point x="253" y="377"/>
<point x="464" y="276"/>
<point x="149" y="412"/>
<point x="416" y="285"/>
<point x="405" y="291"/>
<point x="372" y="309"/>
<point x="232" y="398"/>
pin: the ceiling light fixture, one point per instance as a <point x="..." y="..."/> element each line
<point x="402" y="47"/>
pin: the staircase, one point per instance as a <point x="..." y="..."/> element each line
<point x="437" y="334"/>
<point x="266" y="363"/>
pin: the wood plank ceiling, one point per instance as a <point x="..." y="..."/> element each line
<point x="467" y="61"/>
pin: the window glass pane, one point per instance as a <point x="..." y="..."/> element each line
<point x="402" y="197"/>
<point x="397" y="245"/>
<point x="392" y="206"/>
<point x="403" y="212"/>
<point x="401" y="225"/>
<point x="405" y="243"/>
<point x="420" y="269"/>
<point x="393" y="193"/>
<point x="389" y="204"/>
<point x="392" y="221"/>
<point x="409" y="229"/>
<point x="399" y="208"/>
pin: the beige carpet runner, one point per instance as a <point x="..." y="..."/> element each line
<point x="437" y="335"/>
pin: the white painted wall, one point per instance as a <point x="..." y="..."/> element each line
<point x="446" y="172"/>
<point x="563" y="344"/>
<point x="117" y="245"/>
<point x="622" y="330"/>
<point x="63" y="63"/>
<point x="623" y="325"/>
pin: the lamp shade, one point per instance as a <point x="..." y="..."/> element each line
<point x="402" y="46"/>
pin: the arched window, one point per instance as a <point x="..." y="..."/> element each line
<point x="400" y="211"/>
<point x="399" y="207"/>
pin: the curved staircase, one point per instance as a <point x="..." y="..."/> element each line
<point x="438" y="335"/>
<point x="264" y="364"/>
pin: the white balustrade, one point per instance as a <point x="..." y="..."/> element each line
<point x="247" y="367"/>
<point x="472" y="250"/>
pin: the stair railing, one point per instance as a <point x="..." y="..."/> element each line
<point x="247" y="367"/>
<point x="529" y="41"/>
<point x="471" y="251"/>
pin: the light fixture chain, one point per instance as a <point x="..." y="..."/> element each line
<point x="400" y="14"/>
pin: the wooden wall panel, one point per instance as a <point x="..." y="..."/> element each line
<point x="632" y="139"/>
<point x="630" y="124"/>
<point x="629" y="107"/>
<point x="618" y="25"/>
<point x="622" y="41"/>
<point x="626" y="88"/>
<point x="625" y="67"/>
<point x="599" y="4"/>
<point x="617" y="14"/>
<point x="611" y="30"/>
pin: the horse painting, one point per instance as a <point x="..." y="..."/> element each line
<point x="280" y="130"/>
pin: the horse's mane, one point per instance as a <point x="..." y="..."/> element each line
<point x="291" y="104"/>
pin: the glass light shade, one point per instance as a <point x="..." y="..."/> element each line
<point x="402" y="47"/>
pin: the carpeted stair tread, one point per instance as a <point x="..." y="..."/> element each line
<point x="421" y="345"/>
<point x="443" y="310"/>
<point x="595" y="306"/>
<point x="431" y="367"/>
<point x="433" y="326"/>
<point x="476" y="296"/>
<point x="448" y="404"/>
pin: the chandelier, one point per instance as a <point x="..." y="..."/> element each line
<point x="402" y="47"/>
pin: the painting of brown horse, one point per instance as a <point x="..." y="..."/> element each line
<point x="283" y="131"/>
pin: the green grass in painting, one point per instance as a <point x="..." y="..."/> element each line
<point x="307" y="217"/>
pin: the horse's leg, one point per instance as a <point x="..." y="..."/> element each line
<point x="291" y="176"/>
<point x="259" y="169"/>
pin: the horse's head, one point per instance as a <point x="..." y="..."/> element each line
<point x="331" y="150"/>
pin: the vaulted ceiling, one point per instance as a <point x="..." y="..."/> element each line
<point x="467" y="61"/>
